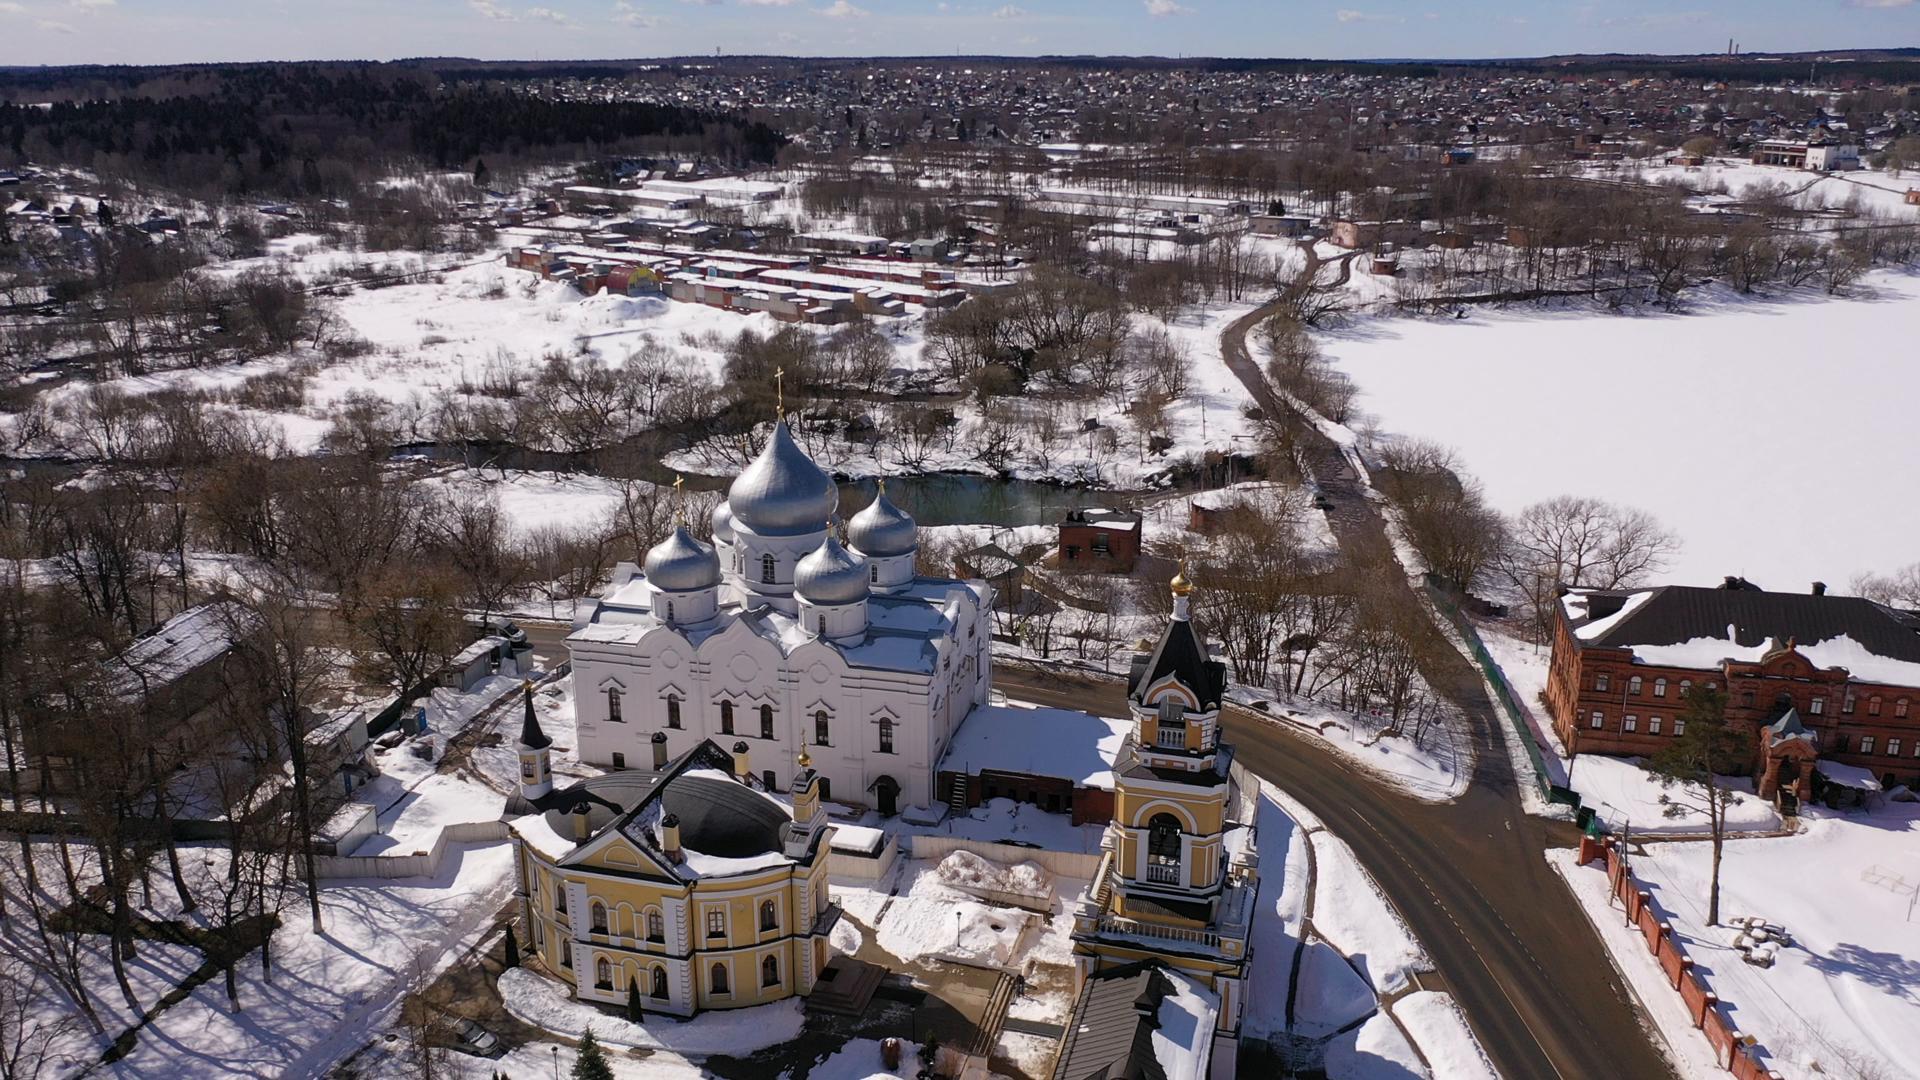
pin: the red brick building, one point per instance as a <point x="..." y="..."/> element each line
<point x="1812" y="678"/>
<point x="1100" y="541"/>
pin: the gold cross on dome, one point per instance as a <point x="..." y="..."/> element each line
<point x="679" y="499"/>
<point x="779" y="391"/>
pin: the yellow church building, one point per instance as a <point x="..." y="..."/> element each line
<point x="1179" y="869"/>
<point x="688" y="879"/>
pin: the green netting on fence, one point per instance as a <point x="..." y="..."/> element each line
<point x="1502" y="692"/>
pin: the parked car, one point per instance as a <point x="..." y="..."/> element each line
<point x="469" y="1037"/>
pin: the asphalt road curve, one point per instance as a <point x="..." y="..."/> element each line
<point x="1505" y="936"/>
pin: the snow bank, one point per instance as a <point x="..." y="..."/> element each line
<point x="1376" y="1050"/>
<point x="1622" y="793"/>
<point x="860" y="1059"/>
<point x="1436" y="1024"/>
<point x="1350" y="911"/>
<point x="965" y="870"/>
<point x="544" y="1003"/>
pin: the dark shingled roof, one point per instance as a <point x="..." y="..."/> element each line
<point x="1110" y="1034"/>
<point x="724" y="818"/>
<point x="1182" y="653"/>
<point x="1678" y="613"/>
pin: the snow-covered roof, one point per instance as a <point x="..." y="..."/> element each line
<point x="1074" y="746"/>
<point x="1852" y="776"/>
<point x="181" y="645"/>
<point x="1688" y="627"/>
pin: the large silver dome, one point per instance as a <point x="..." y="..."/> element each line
<point x="831" y="575"/>
<point x="783" y="493"/>
<point x="682" y="564"/>
<point x="722" y="523"/>
<point x="882" y="529"/>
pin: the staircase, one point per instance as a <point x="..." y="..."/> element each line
<point x="957" y="798"/>
<point x="993" y="1020"/>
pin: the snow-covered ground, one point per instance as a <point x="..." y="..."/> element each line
<point x="547" y="1003"/>
<point x="1435" y="772"/>
<point x="1514" y="392"/>
<point x="1843" y="997"/>
<point x="1358" y="964"/>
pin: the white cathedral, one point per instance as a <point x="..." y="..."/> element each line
<point x="778" y="635"/>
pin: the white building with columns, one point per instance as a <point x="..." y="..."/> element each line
<point x="781" y="634"/>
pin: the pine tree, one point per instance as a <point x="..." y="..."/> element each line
<point x="513" y="948"/>
<point x="1689" y="767"/>
<point x="634" y="1012"/>
<point x="480" y="173"/>
<point x="592" y="1062"/>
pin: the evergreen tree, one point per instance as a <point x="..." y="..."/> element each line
<point x="513" y="948"/>
<point x="634" y="1012"/>
<point x="1690" y="767"/>
<point x="106" y="215"/>
<point x="480" y="173"/>
<point x="592" y="1062"/>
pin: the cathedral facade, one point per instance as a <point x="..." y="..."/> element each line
<point x="783" y="635"/>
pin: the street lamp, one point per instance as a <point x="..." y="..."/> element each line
<point x="556" y="1063"/>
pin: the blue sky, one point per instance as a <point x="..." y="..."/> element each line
<point x="166" y="31"/>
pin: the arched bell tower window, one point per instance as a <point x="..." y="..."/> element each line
<point x="1163" y="850"/>
<point x="766" y="569"/>
<point x="726" y="718"/>
<point x="766" y="721"/>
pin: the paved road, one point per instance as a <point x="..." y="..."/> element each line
<point x="1511" y="943"/>
<point x="1508" y="941"/>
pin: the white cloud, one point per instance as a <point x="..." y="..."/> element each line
<point x="8" y="7"/>
<point x="91" y="5"/>
<point x="701" y="3"/>
<point x="840" y="9"/>
<point x="548" y="15"/>
<point x="1879" y="4"/>
<point x="1160" y="9"/>
<point x="1348" y="15"/>
<point x="55" y="27"/>
<point x="489" y="10"/>
<point x="628" y="15"/>
<point x="1010" y="12"/>
<point x="768" y="3"/>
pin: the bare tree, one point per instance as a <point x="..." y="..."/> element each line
<point x="1899" y="589"/>
<point x="1580" y="542"/>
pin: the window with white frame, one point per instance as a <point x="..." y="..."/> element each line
<point x="1629" y="722"/>
<point x="1659" y="688"/>
<point x="716" y="922"/>
<point x="1893" y="747"/>
<point x="613" y="706"/>
<point x="1653" y="725"/>
<point x="1679" y="725"/>
<point x="1601" y="681"/>
<point x="1598" y="721"/>
<point x="1633" y="686"/>
<point x="1866" y="744"/>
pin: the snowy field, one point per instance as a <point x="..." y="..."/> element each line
<point x="1677" y="414"/>
<point x="1842" y="1000"/>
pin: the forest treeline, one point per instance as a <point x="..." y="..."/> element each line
<point x="313" y="129"/>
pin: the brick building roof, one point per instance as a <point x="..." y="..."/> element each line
<point x="1675" y="614"/>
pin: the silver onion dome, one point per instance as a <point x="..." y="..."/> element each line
<point x="830" y="574"/>
<point x="882" y="529"/>
<point x="782" y="493"/>
<point x="682" y="564"/>
<point x="722" y="523"/>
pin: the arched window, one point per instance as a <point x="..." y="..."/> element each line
<point x="769" y="919"/>
<point x="717" y="979"/>
<point x="597" y="912"/>
<point x="659" y="981"/>
<point x="1633" y="685"/>
<point x="560" y="902"/>
<point x="1900" y="707"/>
<point x="1873" y="706"/>
<point x="613" y="705"/>
<point x="726" y="718"/>
<point x="1659" y="688"/>
<point x="820" y="732"/>
<point x="770" y="972"/>
<point x="656" y="926"/>
<point x="602" y="974"/>
<point x="673" y="710"/>
<point x="766" y="721"/>
<point x="669" y="613"/>
<point x="766" y="569"/>
<point x="886" y="735"/>
<point x="1163" y="849"/>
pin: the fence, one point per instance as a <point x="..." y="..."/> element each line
<point x="1504" y="698"/>
<point x="1731" y="1050"/>
<point x="1060" y="863"/>
<point x="413" y="864"/>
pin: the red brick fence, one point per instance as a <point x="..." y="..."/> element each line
<point x="1731" y="1049"/>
